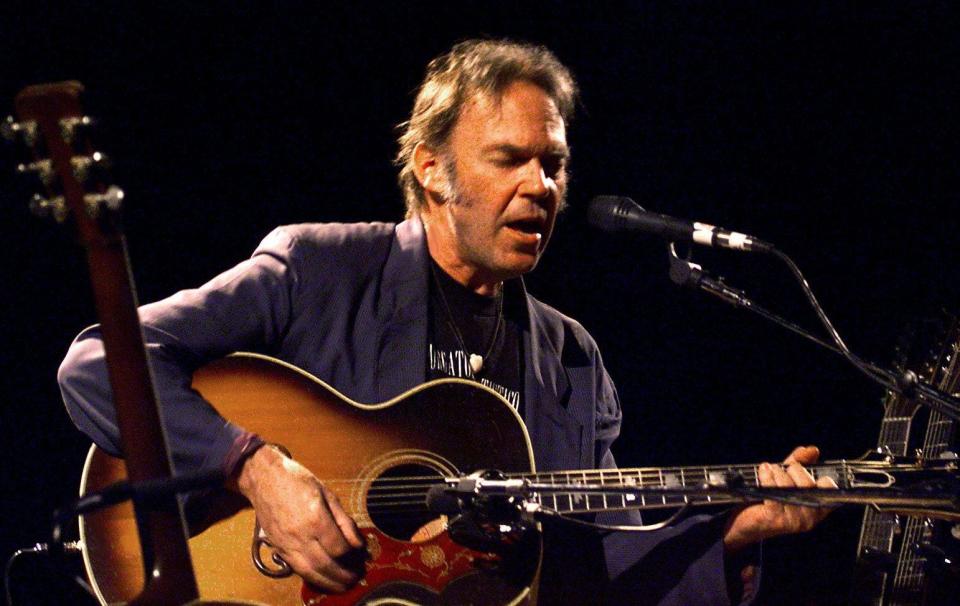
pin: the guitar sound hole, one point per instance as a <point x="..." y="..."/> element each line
<point x="397" y="502"/>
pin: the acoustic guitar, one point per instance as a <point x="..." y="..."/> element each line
<point x="381" y="460"/>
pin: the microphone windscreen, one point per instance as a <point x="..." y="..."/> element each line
<point x="609" y="212"/>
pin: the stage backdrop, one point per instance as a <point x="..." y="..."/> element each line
<point x="826" y="130"/>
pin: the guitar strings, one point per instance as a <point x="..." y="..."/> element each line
<point x="406" y="495"/>
<point x="939" y="435"/>
<point x="656" y="476"/>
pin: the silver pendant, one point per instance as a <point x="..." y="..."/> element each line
<point x="476" y="363"/>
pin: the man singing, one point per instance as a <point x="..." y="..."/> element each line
<point x="376" y="309"/>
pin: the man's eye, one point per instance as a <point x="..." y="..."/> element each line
<point x="553" y="166"/>
<point x="508" y="161"/>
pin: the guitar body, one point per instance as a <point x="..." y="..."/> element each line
<point x="370" y="456"/>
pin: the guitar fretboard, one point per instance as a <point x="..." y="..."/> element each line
<point x="658" y="478"/>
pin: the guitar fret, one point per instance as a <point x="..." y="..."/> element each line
<point x="662" y="485"/>
<point x="638" y="481"/>
<point x="586" y="497"/>
<point x="683" y="484"/>
<point x="593" y="500"/>
<point x="623" y="498"/>
<point x="706" y="480"/>
<point x="604" y="495"/>
<point x="553" y="480"/>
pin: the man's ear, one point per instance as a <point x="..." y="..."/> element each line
<point x="427" y="167"/>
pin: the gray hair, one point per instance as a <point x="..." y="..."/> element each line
<point x="473" y="67"/>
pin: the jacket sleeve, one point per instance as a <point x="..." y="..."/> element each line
<point x="244" y="308"/>
<point x="681" y="565"/>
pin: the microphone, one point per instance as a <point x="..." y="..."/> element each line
<point x="440" y="500"/>
<point x="618" y="213"/>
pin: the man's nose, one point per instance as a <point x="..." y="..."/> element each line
<point x="536" y="183"/>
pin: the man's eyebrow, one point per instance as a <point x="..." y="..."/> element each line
<point x="559" y="151"/>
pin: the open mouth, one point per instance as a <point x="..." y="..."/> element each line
<point x="527" y="226"/>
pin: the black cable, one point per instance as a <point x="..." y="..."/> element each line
<point x="553" y="514"/>
<point x="905" y="384"/>
<point x="38" y="548"/>
<point x="686" y="273"/>
<point x="885" y="378"/>
<point x="43" y="549"/>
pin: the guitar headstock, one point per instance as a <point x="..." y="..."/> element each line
<point x="930" y="349"/>
<point x="70" y="173"/>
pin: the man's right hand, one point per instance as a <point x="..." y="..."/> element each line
<point x="303" y="520"/>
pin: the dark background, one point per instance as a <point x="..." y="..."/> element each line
<point x="826" y="128"/>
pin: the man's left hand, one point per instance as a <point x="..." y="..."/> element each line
<point x="772" y="518"/>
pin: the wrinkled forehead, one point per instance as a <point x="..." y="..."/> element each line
<point x="521" y="109"/>
<point x="494" y="98"/>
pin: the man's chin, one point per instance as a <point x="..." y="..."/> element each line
<point x="518" y="265"/>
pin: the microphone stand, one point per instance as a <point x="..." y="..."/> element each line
<point x="686" y="273"/>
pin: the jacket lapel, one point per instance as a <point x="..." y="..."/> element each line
<point x="552" y="430"/>
<point x="402" y="358"/>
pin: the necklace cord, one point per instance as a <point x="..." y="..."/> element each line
<point x="456" y="331"/>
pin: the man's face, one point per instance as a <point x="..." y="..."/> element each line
<point x="508" y="181"/>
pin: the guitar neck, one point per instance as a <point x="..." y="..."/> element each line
<point x="52" y="113"/>
<point x="665" y="478"/>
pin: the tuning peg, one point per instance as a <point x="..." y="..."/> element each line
<point x="69" y="127"/>
<point x="84" y="167"/>
<point x="10" y="129"/>
<point x="41" y="169"/>
<point x="112" y="199"/>
<point x="43" y="207"/>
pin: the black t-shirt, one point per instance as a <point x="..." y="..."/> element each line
<point x="476" y="318"/>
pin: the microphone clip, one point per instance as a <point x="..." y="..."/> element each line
<point x="686" y="273"/>
<point x="488" y="511"/>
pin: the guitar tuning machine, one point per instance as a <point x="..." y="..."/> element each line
<point x="42" y="169"/>
<point x="44" y="207"/>
<point x="112" y="199"/>
<point x="69" y="127"/>
<point x="86" y="166"/>
<point x="10" y="129"/>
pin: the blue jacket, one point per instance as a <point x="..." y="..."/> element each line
<point x="348" y="303"/>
